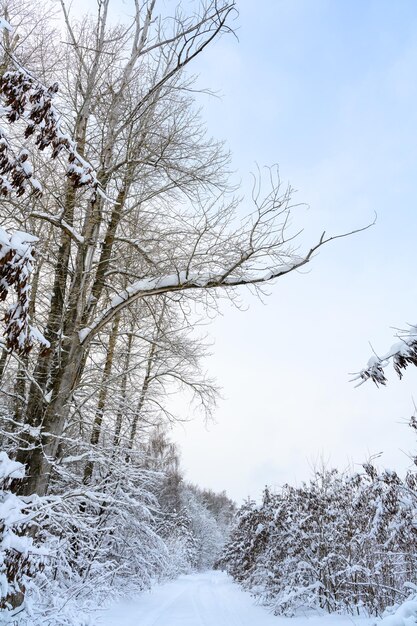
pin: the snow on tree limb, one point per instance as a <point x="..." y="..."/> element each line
<point x="401" y="354"/>
<point x="17" y="257"/>
<point x="234" y="276"/>
<point x="57" y="220"/>
<point x="25" y="98"/>
<point x="15" y="170"/>
<point x="4" y="24"/>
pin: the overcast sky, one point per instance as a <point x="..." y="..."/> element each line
<point x="327" y="89"/>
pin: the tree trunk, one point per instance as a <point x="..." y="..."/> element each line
<point x="148" y="377"/>
<point x="123" y="387"/>
<point x="98" y="420"/>
<point x="39" y="457"/>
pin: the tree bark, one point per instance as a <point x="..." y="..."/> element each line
<point x="123" y="388"/>
<point x="98" y="420"/>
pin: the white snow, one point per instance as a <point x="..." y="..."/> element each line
<point x="180" y="280"/>
<point x="4" y="24"/>
<point x="36" y="335"/>
<point x="405" y="615"/>
<point x="9" y="468"/>
<point x="207" y="599"/>
<point x="398" y="349"/>
<point x="18" y="240"/>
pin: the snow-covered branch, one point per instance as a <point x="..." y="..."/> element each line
<point x="17" y="257"/>
<point x="26" y="99"/>
<point x="233" y="276"/>
<point x="57" y="220"/>
<point x="401" y="354"/>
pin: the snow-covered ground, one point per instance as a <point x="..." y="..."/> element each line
<point x="207" y="599"/>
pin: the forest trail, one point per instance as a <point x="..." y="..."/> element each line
<point x="205" y="599"/>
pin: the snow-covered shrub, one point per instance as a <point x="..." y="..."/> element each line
<point x="245" y="543"/>
<point x="20" y="555"/>
<point x="338" y="543"/>
<point x="405" y="614"/>
<point x="102" y="544"/>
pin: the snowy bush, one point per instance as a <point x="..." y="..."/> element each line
<point x="20" y="555"/>
<point x="340" y="543"/>
<point x="403" y="615"/>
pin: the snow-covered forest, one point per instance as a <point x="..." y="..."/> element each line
<point x="120" y="232"/>
<point x="111" y="194"/>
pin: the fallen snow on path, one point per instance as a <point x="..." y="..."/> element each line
<point x="207" y="599"/>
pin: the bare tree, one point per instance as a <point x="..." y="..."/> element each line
<point x="158" y="220"/>
<point x="134" y="226"/>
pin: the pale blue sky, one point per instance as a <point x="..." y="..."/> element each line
<point x="327" y="89"/>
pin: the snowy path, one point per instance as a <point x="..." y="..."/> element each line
<point x="207" y="599"/>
